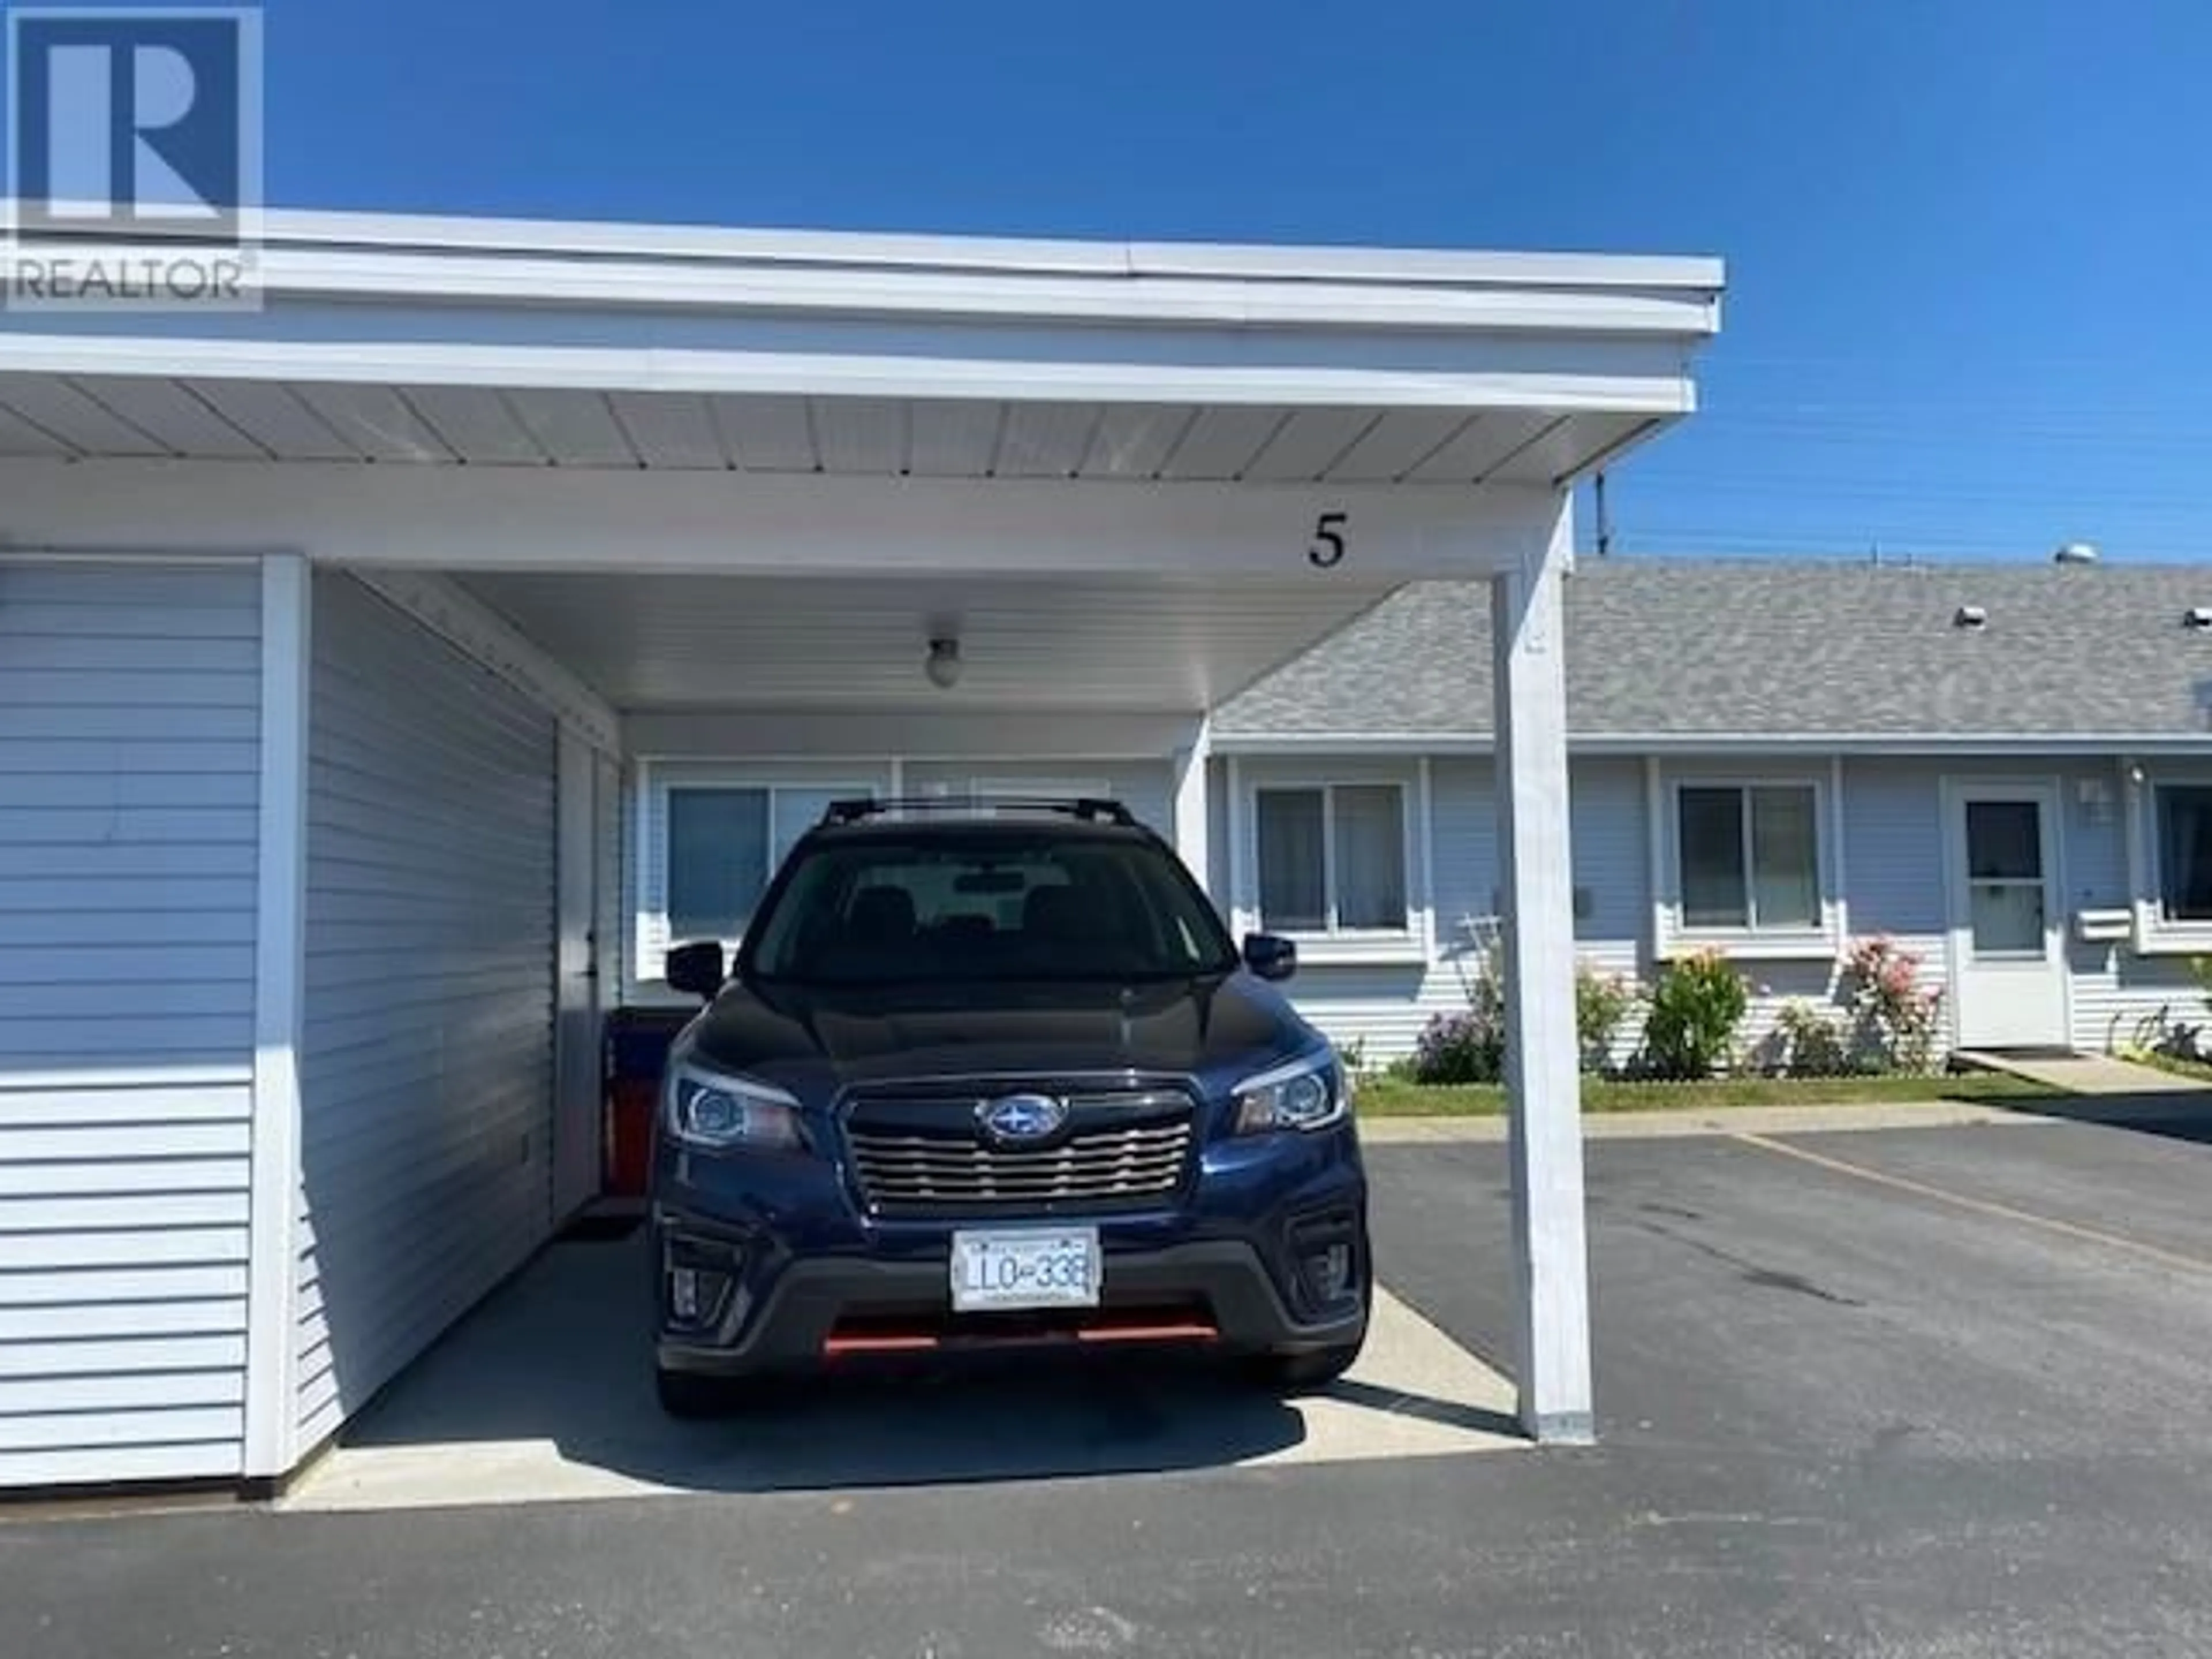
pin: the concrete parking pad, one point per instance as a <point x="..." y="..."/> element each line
<point x="545" y="1395"/>
<point x="1903" y="1416"/>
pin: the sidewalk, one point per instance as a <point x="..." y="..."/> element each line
<point x="2088" y="1074"/>
<point x="1808" y="1120"/>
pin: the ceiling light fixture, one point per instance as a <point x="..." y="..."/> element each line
<point x="943" y="664"/>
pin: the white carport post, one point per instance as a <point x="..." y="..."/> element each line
<point x="1542" y="1061"/>
<point x="1193" y="813"/>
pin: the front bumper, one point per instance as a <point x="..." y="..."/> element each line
<point x="792" y="1328"/>
<point x="781" y="1262"/>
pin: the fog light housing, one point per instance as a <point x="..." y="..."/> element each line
<point x="683" y="1298"/>
<point x="697" y="1277"/>
<point x="1329" y="1273"/>
<point x="1324" y="1251"/>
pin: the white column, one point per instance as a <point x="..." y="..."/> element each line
<point x="280" y="944"/>
<point x="1192" y="823"/>
<point x="1543" y="1087"/>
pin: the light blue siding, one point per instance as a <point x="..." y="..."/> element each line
<point x="426" y="1069"/>
<point x="1894" y="808"/>
<point x="130" y="766"/>
<point x="1382" y="1007"/>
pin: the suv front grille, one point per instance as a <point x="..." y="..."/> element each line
<point x="915" y="1156"/>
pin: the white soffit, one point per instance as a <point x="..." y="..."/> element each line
<point x="195" y="418"/>
<point x="1034" y="645"/>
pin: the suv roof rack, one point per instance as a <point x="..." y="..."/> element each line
<point x="1090" y="809"/>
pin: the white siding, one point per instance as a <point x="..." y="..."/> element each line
<point x="129" y="780"/>
<point x="427" y="1074"/>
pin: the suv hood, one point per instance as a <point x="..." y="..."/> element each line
<point x="817" y="1041"/>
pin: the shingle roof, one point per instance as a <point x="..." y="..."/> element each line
<point x="1797" y="648"/>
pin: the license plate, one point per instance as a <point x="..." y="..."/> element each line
<point x="998" y="1269"/>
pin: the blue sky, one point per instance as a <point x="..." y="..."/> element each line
<point x="1969" y="241"/>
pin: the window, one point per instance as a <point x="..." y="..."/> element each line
<point x="717" y="859"/>
<point x="1333" y="859"/>
<point x="1748" y="855"/>
<point x="723" y="844"/>
<point x="2004" y="877"/>
<point x="2185" y="852"/>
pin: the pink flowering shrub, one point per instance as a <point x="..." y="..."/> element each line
<point x="1896" y="1016"/>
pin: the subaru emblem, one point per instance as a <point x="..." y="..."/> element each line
<point x="1021" y="1120"/>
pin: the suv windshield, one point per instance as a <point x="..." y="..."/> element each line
<point x="986" y="904"/>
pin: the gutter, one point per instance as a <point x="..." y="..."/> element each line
<point x="1739" y="743"/>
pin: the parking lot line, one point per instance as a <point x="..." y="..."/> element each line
<point x="2073" y="1230"/>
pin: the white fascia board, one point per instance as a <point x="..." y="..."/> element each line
<point x="285" y="275"/>
<point x="1310" y="262"/>
<point x="555" y="519"/>
<point x="1936" y="744"/>
<point x="284" y="230"/>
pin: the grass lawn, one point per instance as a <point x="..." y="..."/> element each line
<point x="1388" y="1096"/>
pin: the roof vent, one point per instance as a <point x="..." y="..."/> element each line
<point x="1971" y="616"/>
<point x="2197" y="616"/>
<point x="2075" y="553"/>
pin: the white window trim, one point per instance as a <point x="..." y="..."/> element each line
<point x="2155" y="935"/>
<point x="1673" y="937"/>
<point x="1413" y="943"/>
<point x="654" y="936"/>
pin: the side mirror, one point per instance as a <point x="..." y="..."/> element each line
<point x="697" y="970"/>
<point x="1271" y="956"/>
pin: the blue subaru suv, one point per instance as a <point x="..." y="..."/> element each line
<point x="998" y="1077"/>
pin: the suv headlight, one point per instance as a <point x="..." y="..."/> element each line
<point x="1312" y="1092"/>
<point x="716" y="1111"/>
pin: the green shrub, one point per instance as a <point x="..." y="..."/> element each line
<point x="1696" y="1004"/>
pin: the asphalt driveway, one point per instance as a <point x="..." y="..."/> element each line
<point x="1932" y="1392"/>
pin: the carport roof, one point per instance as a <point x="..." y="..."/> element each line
<point x="1112" y="471"/>
<point x="1674" y="652"/>
<point x="504" y="343"/>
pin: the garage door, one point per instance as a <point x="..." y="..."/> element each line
<point x="427" y="1060"/>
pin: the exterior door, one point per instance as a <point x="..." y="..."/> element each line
<point x="577" y="1107"/>
<point x="2008" y="932"/>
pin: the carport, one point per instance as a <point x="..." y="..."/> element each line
<point x="336" y="627"/>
